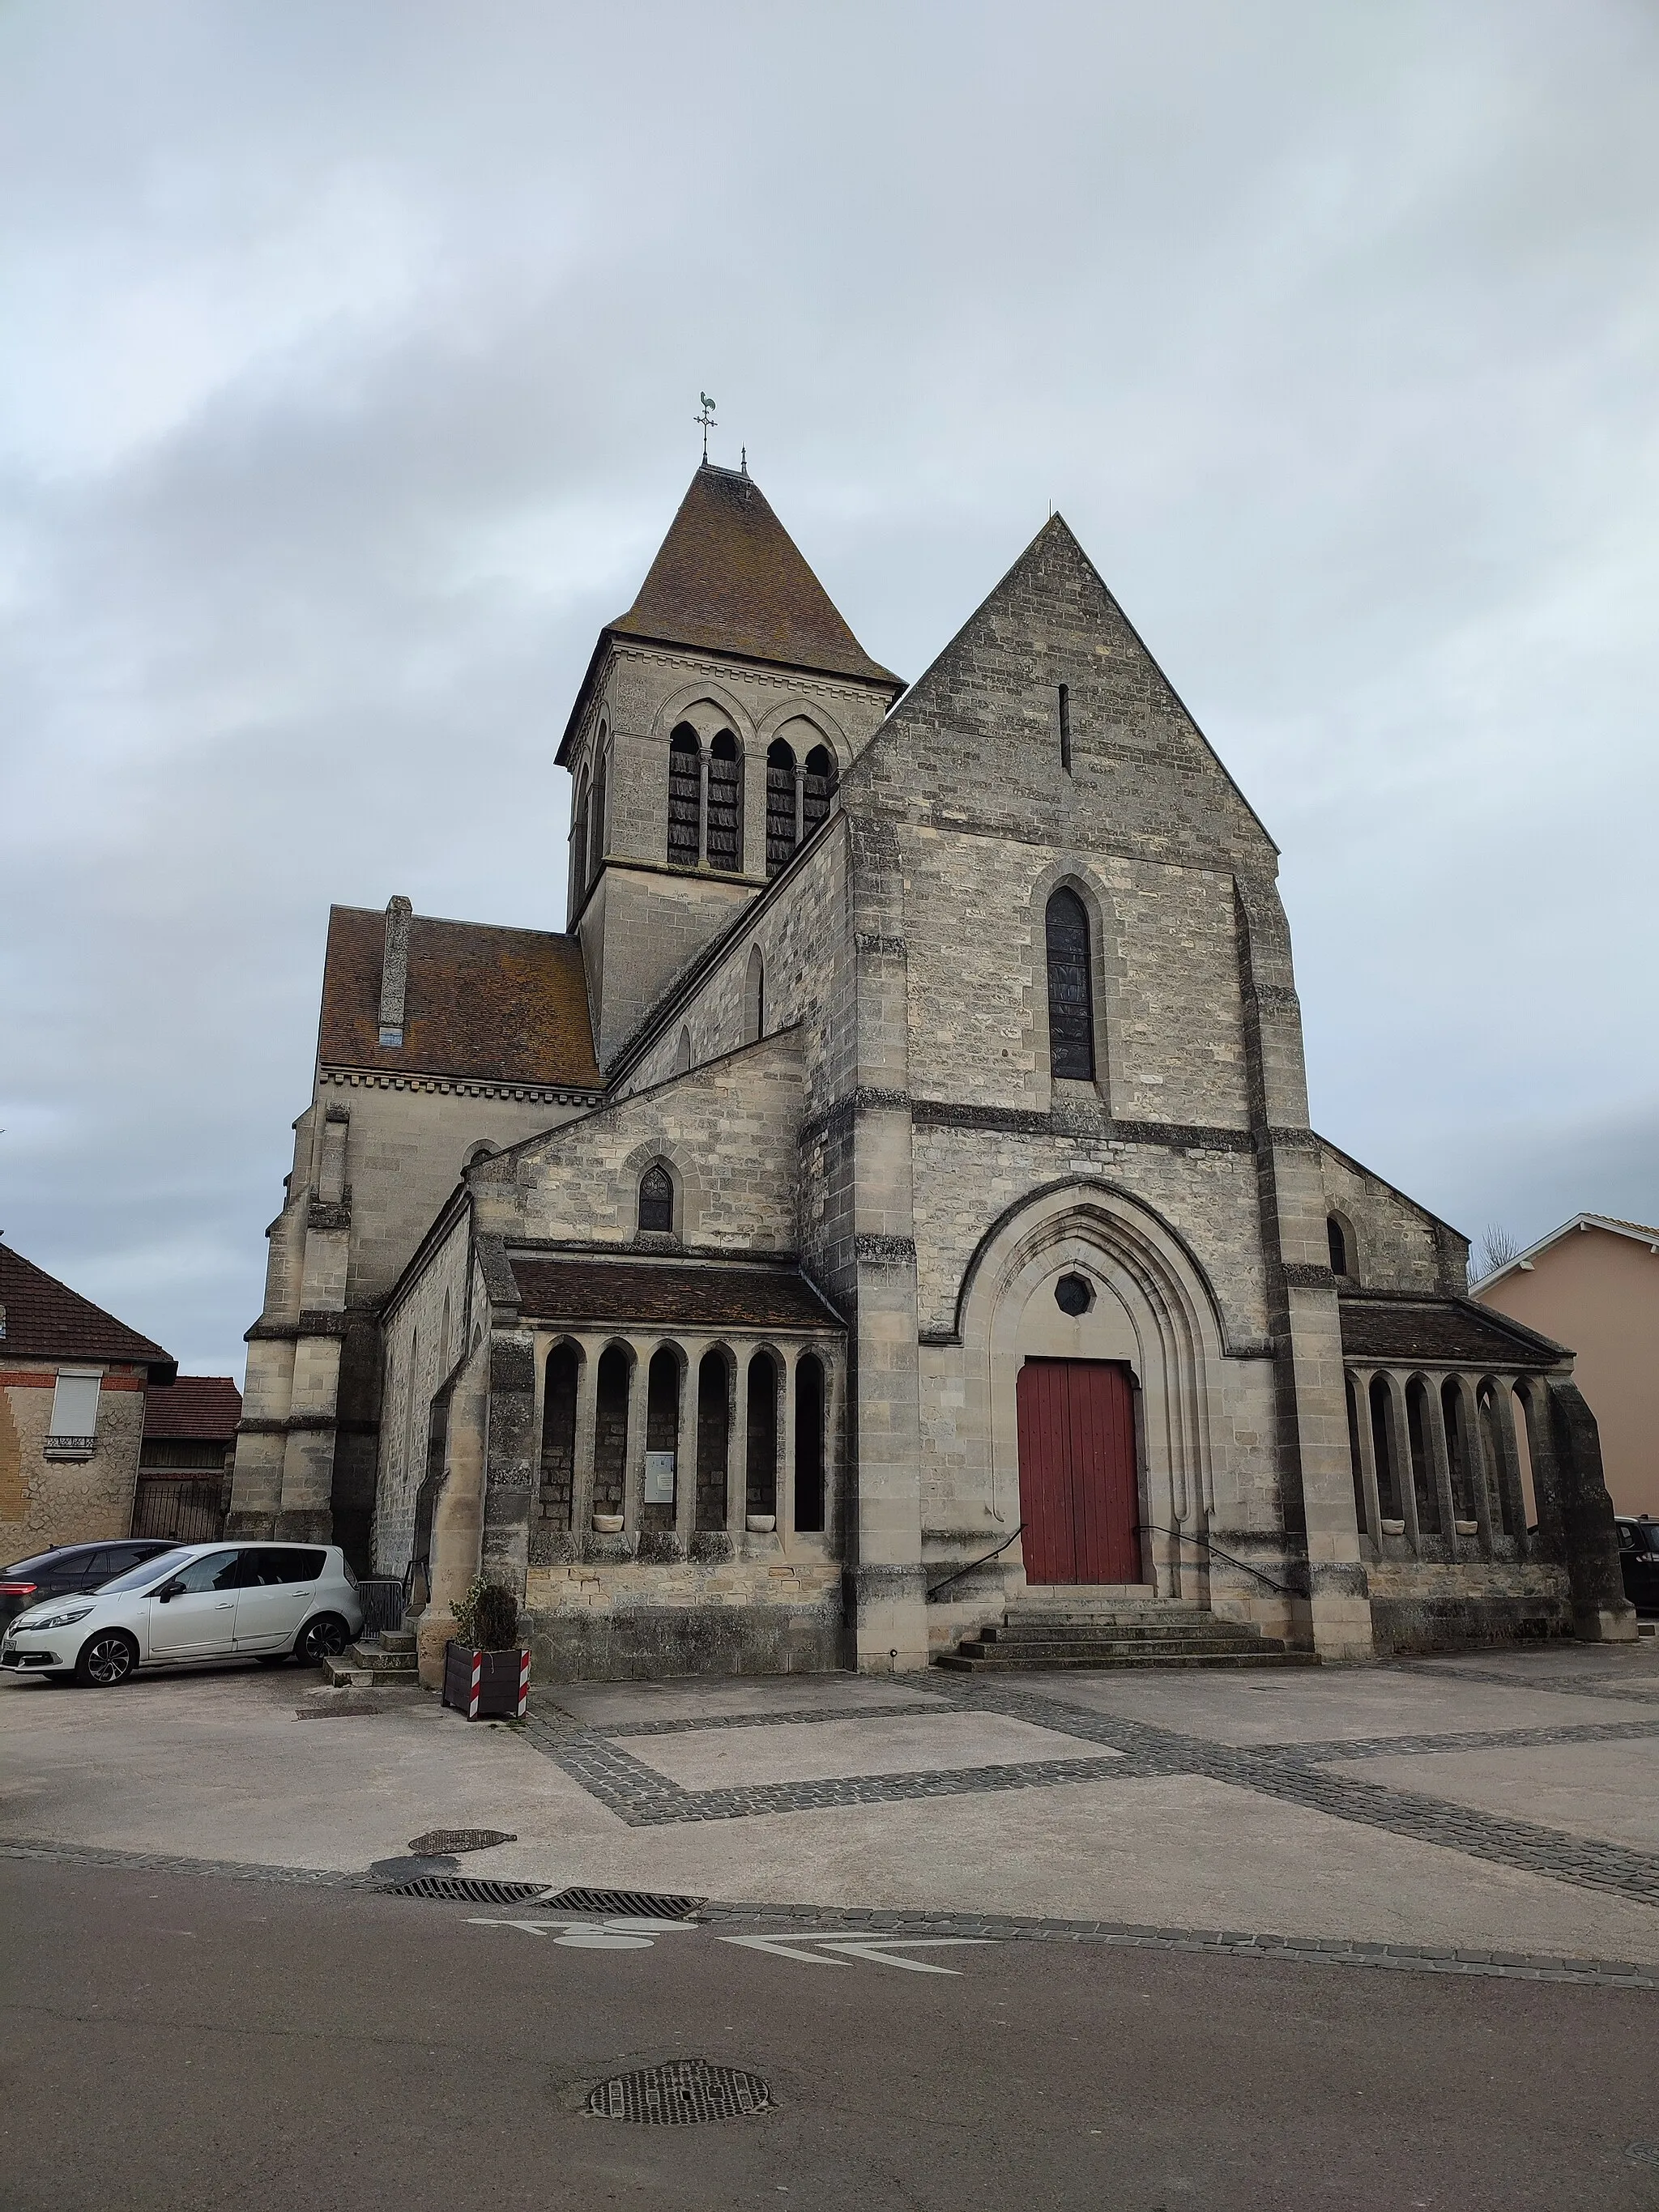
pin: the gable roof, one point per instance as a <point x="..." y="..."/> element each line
<point x="663" y="1294"/>
<point x="198" y="1406"/>
<point x="495" y="1005"/>
<point x="982" y="718"/>
<point x="729" y="579"/>
<point x="1639" y="1231"/>
<point x="44" y="1319"/>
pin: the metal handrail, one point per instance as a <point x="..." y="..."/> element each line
<point x="1216" y="1552"/>
<point x="934" y="1588"/>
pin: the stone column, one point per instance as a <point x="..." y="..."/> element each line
<point x="457" y="1516"/>
<point x="639" y="1382"/>
<point x="1440" y="1462"/>
<point x="785" y="1478"/>
<point x="581" y="1472"/>
<point x="685" y="1444"/>
<point x="1400" y="1451"/>
<point x="1469" y="1423"/>
<point x="508" y="1473"/>
<point x="1508" y="1462"/>
<point x="737" y="1441"/>
<point x="1600" y="1612"/>
<point x="1362" y="1386"/>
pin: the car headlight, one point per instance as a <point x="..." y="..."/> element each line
<point x="54" y="1619"/>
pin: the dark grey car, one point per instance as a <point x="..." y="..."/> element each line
<point x="1638" y="1560"/>
<point x="72" y="1567"/>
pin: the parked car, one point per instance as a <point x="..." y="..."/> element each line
<point x="192" y="1603"/>
<point x="1638" y="1560"/>
<point x="73" y="1567"/>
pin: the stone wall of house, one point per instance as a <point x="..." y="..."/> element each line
<point x="43" y="1502"/>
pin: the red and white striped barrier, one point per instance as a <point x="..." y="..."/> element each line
<point x="524" y="1684"/>
<point x="477" y="1676"/>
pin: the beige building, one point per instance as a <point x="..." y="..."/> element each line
<point x="893" y="1201"/>
<point x="1593" y="1284"/>
<point x="73" y="1384"/>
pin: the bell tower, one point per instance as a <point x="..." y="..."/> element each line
<point x="705" y="744"/>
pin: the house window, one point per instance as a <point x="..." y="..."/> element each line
<point x="73" y="1411"/>
<point x="781" y="829"/>
<point x="656" y="1201"/>
<point x="684" y="796"/>
<point x="1071" y="992"/>
<point x="725" y="803"/>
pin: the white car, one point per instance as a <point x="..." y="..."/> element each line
<point x="267" y="1602"/>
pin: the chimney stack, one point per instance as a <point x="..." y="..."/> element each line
<point x="394" y="970"/>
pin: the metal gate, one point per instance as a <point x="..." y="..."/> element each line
<point x="187" y="1511"/>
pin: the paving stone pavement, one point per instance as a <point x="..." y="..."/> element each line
<point x="597" y="1758"/>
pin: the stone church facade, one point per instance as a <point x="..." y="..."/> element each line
<point x="894" y="1195"/>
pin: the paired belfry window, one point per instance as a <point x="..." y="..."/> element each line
<point x="704" y="801"/>
<point x="797" y="798"/>
<point x="1071" y="989"/>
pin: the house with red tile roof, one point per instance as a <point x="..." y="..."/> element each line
<point x="185" y="1459"/>
<point x="74" y="1386"/>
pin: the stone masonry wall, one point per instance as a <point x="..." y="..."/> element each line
<point x="1400" y="1247"/>
<point x="424" y="1337"/>
<point x="46" y="1502"/>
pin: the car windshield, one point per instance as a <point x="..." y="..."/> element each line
<point x="152" y="1571"/>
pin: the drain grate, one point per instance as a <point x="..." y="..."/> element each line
<point x="468" y="1889"/>
<point x="441" y="1843"/>
<point x="681" y="2095"/>
<point x="623" y="1904"/>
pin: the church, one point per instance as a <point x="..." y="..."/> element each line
<point x="890" y="1208"/>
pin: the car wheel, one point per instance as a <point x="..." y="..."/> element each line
<point x="326" y="1638"/>
<point x="106" y="1658"/>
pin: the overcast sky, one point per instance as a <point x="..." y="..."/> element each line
<point x="350" y="359"/>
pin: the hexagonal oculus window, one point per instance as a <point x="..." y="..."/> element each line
<point x="1074" y="1295"/>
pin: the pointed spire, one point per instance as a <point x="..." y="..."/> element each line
<point x="728" y="578"/>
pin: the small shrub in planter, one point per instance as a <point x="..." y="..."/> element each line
<point x="486" y="1668"/>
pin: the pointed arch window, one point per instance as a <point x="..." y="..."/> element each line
<point x="656" y="1201"/>
<point x="578" y="847"/>
<point x="818" y="788"/>
<point x="781" y="828"/>
<point x="754" y="999"/>
<point x="596" y="852"/>
<point x="684" y="796"/>
<point x="725" y="843"/>
<point x="1071" y="990"/>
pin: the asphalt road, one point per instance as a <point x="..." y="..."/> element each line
<point x="189" y="2043"/>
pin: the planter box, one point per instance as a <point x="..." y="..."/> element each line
<point x="486" y="1685"/>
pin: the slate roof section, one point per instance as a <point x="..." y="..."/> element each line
<point x="729" y="578"/>
<point x="46" y="1320"/>
<point x="668" y="1294"/>
<point x="205" y="1407"/>
<point x="483" y="1004"/>
<point x="1392" y="1330"/>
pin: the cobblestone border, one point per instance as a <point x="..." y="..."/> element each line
<point x="595" y="1758"/>
<point x="1607" y="1684"/>
<point x="895" y="1923"/>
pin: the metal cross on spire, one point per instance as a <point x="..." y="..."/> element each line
<point x="706" y="419"/>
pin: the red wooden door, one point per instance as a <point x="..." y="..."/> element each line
<point x="1079" y="1495"/>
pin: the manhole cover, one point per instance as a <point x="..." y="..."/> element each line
<point x="440" y="1843"/>
<point x="681" y="2095"/>
<point x="466" y="1889"/>
<point x="623" y="1904"/>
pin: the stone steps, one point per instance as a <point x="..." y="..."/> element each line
<point x="375" y="1662"/>
<point x="1069" y="1628"/>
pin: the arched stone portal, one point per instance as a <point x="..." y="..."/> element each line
<point x="1147" y="1308"/>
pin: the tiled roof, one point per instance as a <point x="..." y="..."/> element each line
<point x="206" y="1406"/>
<point x="46" y="1320"/>
<point x="668" y="1294"/>
<point x="490" y="1005"/>
<point x="1640" y="1231"/>
<point x="729" y="578"/>
<point x="1402" y="1332"/>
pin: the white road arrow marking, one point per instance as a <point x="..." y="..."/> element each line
<point x="593" y="1935"/>
<point x="879" y="1952"/>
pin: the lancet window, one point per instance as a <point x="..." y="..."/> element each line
<point x="1071" y="990"/>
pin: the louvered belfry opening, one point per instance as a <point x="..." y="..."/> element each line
<point x="780" y="825"/>
<point x="684" y="796"/>
<point x="1071" y="993"/>
<point x="725" y="803"/>
<point x="818" y="788"/>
